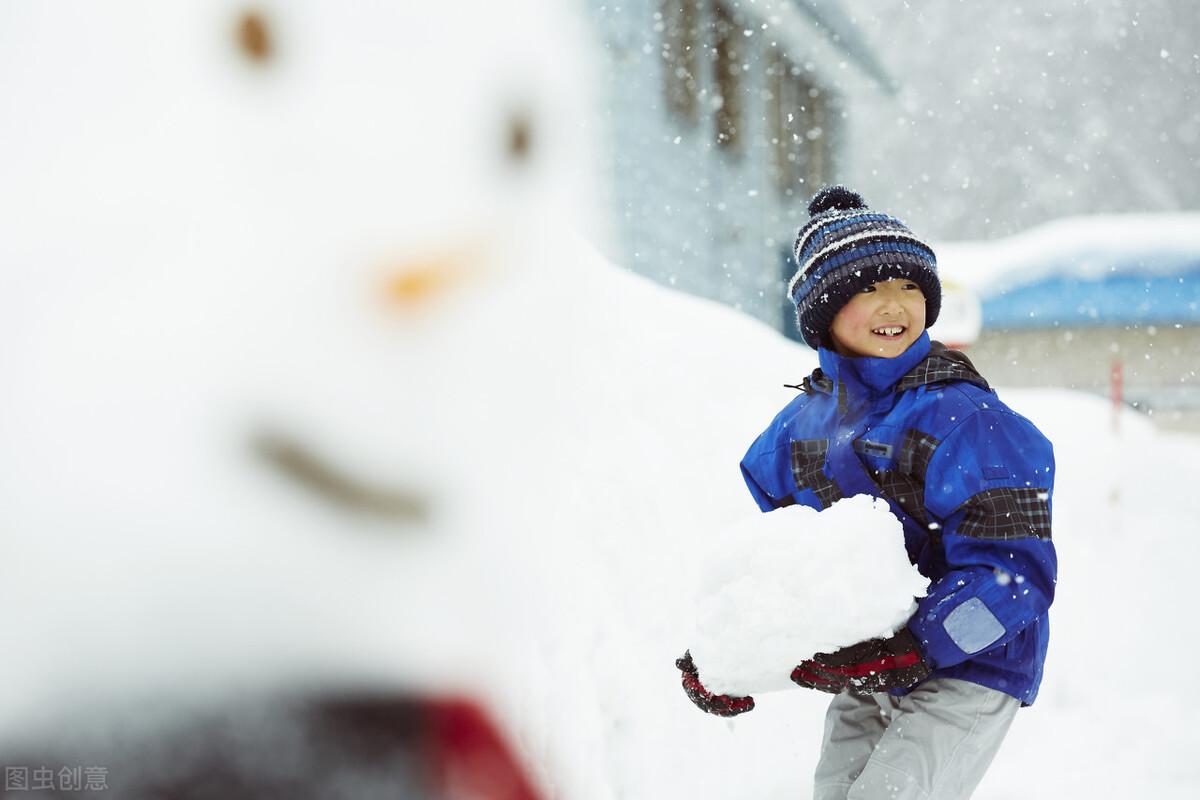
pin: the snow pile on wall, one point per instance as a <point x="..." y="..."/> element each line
<point x="1108" y="269"/>
<point x="1085" y="248"/>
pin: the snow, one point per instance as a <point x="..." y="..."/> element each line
<point x="1127" y="269"/>
<point x="564" y="589"/>
<point x="235" y="264"/>
<point x="1086" y="248"/>
<point x="783" y="586"/>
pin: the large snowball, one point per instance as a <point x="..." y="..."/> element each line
<point x="785" y="585"/>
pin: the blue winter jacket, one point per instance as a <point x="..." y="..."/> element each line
<point x="969" y="478"/>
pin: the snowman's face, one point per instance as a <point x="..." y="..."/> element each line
<point x="249" y="256"/>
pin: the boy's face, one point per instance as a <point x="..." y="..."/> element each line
<point x="881" y="321"/>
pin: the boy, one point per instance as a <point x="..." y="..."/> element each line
<point x="921" y="713"/>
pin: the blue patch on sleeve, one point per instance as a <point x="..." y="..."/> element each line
<point x="972" y="626"/>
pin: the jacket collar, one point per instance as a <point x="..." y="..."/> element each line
<point x="872" y="376"/>
<point x="942" y="365"/>
<point x="928" y="362"/>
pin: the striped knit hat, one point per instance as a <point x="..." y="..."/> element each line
<point x="846" y="246"/>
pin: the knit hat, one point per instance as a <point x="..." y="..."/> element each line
<point x="844" y="247"/>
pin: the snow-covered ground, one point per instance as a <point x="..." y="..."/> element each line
<point x="633" y="422"/>
<point x="1126" y="519"/>
<point x="1108" y="721"/>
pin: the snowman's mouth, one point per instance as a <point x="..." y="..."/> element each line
<point x="305" y="467"/>
<point x="890" y="331"/>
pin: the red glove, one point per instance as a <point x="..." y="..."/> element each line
<point x="723" y="705"/>
<point x="876" y="665"/>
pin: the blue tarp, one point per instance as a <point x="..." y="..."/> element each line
<point x="1119" y="298"/>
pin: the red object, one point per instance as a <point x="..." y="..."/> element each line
<point x="468" y="756"/>
<point x="723" y="705"/>
<point x="876" y="665"/>
<point x="804" y="676"/>
<point x="866" y="668"/>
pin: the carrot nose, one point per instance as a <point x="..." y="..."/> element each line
<point x="419" y="282"/>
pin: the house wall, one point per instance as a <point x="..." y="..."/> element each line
<point x="1159" y="364"/>
<point x="708" y="219"/>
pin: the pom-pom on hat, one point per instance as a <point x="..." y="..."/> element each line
<point x="844" y="247"/>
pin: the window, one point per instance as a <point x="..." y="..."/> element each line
<point x="727" y="63"/>
<point x="802" y="117"/>
<point x="681" y="55"/>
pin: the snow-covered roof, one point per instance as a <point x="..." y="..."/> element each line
<point x="824" y="30"/>
<point x="1106" y="269"/>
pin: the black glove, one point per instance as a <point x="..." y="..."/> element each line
<point x="876" y="665"/>
<point x="723" y="705"/>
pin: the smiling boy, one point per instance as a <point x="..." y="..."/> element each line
<point x="883" y="320"/>
<point x="920" y="713"/>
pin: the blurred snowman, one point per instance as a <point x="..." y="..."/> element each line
<point x="262" y="407"/>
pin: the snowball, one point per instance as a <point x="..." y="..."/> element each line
<point x="785" y="585"/>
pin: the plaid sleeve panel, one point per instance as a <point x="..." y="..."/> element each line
<point x="808" y="470"/>
<point x="942" y="366"/>
<point x="916" y="453"/>
<point x="992" y="475"/>
<point x="905" y="486"/>
<point x="1008" y="513"/>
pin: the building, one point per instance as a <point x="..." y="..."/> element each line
<point x="723" y="119"/>
<point x="1103" y="304"/>
<point x="971" y="121"/>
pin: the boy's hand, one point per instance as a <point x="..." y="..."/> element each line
<point x="723" y="705"/>
<point x="875" y="665"/>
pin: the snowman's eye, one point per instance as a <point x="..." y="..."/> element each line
<point x="252" y="34"/>
<point x="519" y="137"/>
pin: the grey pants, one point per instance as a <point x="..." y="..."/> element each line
<point x="935" y="743"/>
